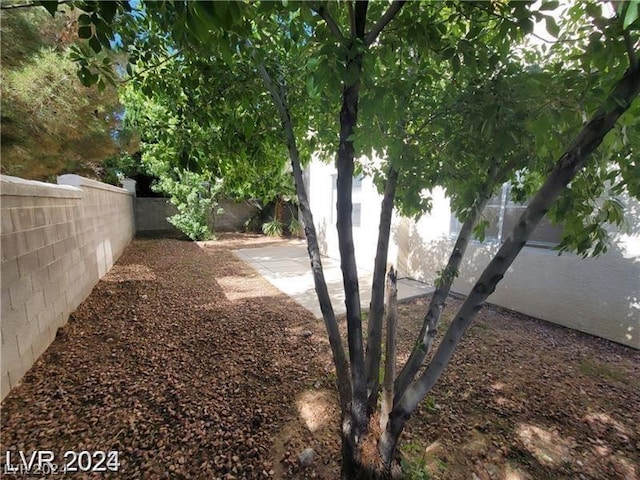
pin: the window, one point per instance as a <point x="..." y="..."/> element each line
<point x="503" y="214"/>
<point x="356" y="199"/>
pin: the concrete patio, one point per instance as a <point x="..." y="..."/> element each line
<point x="287" y="267"/>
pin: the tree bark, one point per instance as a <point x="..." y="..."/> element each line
<point x="570" y="163"/>
<point x="376" y="307"/>
<point x="390" y="351"/>
<point x="345" y="168"/>
<point x="328" y="315"/>
<point x="436" y="306"/>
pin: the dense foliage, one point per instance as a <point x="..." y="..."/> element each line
<point x="51" y="123"/>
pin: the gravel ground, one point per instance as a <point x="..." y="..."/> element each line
<point x="191" y="365"/>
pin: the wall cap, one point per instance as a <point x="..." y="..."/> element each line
<point x="78" y="181"/>
<point x="15" y="186"/>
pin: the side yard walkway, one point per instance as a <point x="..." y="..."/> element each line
<point x="287" y="267"/>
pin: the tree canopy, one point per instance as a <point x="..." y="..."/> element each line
<point x="51" y="124"/>
<point x="446" y="94"/>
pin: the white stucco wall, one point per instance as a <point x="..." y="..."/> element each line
<point x="320" y="177"/>
<point x="600" y="296"/>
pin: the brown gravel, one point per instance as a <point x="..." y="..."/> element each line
<point x="192" y="366"/>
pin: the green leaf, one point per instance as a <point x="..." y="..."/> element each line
<point x="95" y="45"/>
<point x="455" y="64"/>
<point x="552" y="26"/>
<point x="50" y="5"/>
<point x="84" y="19"/>
<point x="551" y="5"/>
<point x="633" y="10"/>
<point x="108" y="10"/>
<point x="85" y="32"/>
<point x="526" y="24"/>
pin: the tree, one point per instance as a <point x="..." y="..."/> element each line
<point x="353" y="48"/>
<point x="189" y="140"/>
<point x="51" y="124"/>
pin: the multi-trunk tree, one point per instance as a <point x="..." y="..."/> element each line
<point x="446" y="95"/>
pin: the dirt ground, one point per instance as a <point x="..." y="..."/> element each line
<point x="193" y="366"/>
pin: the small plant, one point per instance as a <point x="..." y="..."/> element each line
<point x="295" y="227"/>
<point x="274" y="228"/>
<point x="597" y="369"/>
<point x="414" y="463"/>
<point x="430" y="404"/>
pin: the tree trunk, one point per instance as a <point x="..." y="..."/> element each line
<point x="376" y="307"/>
<point x="436" y="306"/>
<point x="345" y="167"/>
<point x="571" y="162"/>
<point x="390" y="351"/>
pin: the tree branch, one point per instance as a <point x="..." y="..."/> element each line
<point x="431" y="319"/>
<point x="376" y="306"/>
<point x="142" y="72"/>
<point x="391" y="12"/>
<point x="570" y="163"/>
<point x="360" y="17"/>
<point x="333" y="26"/>
<point x="390" y="352"/>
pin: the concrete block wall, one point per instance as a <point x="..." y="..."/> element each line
<point x="57" y="241"/>
<point x="234" y="215"/>
<point x="152" y="213"/>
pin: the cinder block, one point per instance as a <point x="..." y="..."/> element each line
<point x="51" y="293"/>
<point x="20" y="291"/>
<point x="5" y="386"/>
<point x="6" y="298"/>
<point x="45" y="255"/>
<point x="60" y="311"/>
<point x="28" y="264"/>
<point x="40" y="344"/>
<point x="34" y="305"/>
<point x="59" y="249"/>
<point x="40" y="279"/>
<point x="50" y="234"/>
<point x="44" y="320"/>
<point x="12" y="321"/>
<point x="19" y="367"/>
<point x="25" y="339"/>
<point x="9" y="271"/>
<point x="39" y="217"/>
<point x="23" y="218"/>
<point x="13" y="245"/>
<point x="55" y="270"/>
<point x="6" y="223"/>
<point x="35" y="238"/>
<point x="69" y="244"/>
<point x="64" y="230"/>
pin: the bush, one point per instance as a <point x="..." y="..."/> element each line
<point x="195" y="197"/>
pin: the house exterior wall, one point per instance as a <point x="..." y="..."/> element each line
<point x="320" y="185"/>
<point x="600" y="296"/>
<point x="57" y="241"/>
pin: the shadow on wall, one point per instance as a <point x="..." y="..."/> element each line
<point x="600" y="296"/>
